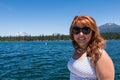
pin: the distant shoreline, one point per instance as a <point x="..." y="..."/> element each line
<point x="107" y="36"/>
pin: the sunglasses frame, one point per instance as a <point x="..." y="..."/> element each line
<point x="85" y="30"/>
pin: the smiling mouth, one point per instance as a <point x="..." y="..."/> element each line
<point x="81" y="38"/>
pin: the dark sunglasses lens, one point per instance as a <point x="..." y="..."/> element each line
<point x="86" y="30"/>
<point x="76" y="30"/>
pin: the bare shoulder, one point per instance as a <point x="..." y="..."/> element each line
<point x="105" y="67"/>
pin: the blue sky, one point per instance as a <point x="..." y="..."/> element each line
<point x="46" y="17"/>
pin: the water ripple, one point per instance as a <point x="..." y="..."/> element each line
<point x="43" y="60"/>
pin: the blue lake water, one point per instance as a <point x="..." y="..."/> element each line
<point x="44" y="60"/>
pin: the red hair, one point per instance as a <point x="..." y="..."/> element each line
<point x="95" y="44"/>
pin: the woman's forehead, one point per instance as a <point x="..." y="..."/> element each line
<point x="79" y="24"/>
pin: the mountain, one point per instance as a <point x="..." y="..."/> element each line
<point x="21" y="34"/>
<point x="109" y="27"/>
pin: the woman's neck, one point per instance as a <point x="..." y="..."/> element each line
<point x="81" y="50"/>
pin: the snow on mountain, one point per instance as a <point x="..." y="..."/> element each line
<point x="21" y="34"/>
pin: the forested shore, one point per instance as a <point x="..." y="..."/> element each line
<point x="107" y="36"/>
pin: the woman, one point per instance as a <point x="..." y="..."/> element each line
<point x="90" y="61"/>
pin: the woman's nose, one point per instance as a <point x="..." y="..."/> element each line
<point x="81" y="33"/>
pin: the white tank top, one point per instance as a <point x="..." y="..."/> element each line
<point x="81" y="69"/>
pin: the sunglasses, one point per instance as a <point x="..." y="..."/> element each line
<point x="85" y="30"/>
